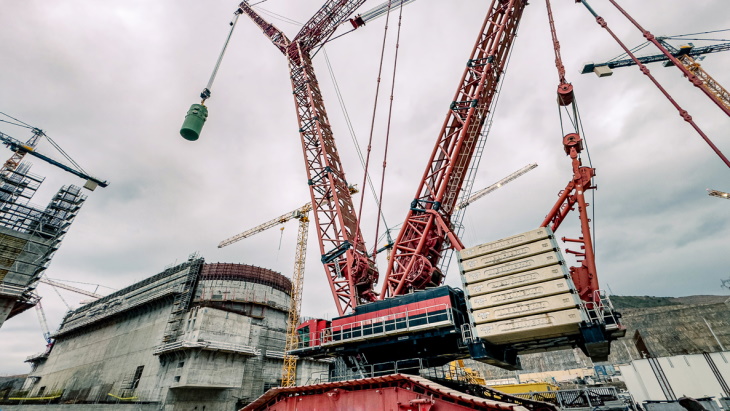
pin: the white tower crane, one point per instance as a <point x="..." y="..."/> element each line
<point x="484" y="191"/>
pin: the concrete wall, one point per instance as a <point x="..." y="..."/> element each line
<point x="6" y="305"/>
<point x="227" y="352"/>
<point x="90" y="365"/>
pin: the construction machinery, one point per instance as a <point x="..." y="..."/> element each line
<point x="719" y="194"/>
<point x="490" y="189"/>
<point x="414" y="313"/>
<point x="31" y="235"/>
<point x="301" y="214"/>
<point x="429" y="228"/>
<point x="21" y="149"/>
<point x="67" y="287"/>
<point x="687" y="54"/>
<point x="289" y="371"/>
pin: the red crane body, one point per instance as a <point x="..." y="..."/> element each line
<point x="584" y="276"/>
<point x="427" y="230"/>
<point x="351" y="273"/>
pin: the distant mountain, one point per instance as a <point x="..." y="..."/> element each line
<point x="623" y="302"/>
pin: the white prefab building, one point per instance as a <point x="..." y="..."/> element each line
<point x="669" y="378"/>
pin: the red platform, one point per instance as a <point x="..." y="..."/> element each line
<point x="392" y="392"/>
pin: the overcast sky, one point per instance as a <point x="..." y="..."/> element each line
<point x="111" y="83"/>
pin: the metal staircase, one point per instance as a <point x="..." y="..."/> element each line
<point x="182" y="300"/>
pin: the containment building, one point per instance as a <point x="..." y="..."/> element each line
<point x="200" y="335"/>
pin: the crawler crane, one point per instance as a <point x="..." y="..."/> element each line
<point x="414" y="313"/>
<point x="428" y="231"/>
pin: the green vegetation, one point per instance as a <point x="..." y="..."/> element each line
<point x="642" y="302"/>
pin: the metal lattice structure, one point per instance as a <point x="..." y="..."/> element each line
<point x="427" y="230"/>
<point x="719" y="194"/>
<point x="289" y="371"/>
<point x="721" y="95"/>
<point x="30" y="234"/>
<point x="351" y="273"/>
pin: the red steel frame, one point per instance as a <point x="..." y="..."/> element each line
<point x="584" y="277"/>
<point x="351" y="273"/>
<point x="390" y="392"/>
<point x="423" y="238"/>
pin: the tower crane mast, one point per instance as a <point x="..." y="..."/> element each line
<point x="351" y="272"/>
<point x="289" y="370"/>
<point x="427" y="230"/>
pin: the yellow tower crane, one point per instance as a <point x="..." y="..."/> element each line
<point x="289" y="371"/>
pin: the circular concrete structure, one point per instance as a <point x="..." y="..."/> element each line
<point x="243" y="289"/>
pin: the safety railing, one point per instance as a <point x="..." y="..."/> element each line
<point x="398" y="323"/>
<point x="414" y="366"/>
<point x="206" y="345"/>
<point x="602" y="311"/>
<point x="581" y="398"/>
<point x="10" y="290"/>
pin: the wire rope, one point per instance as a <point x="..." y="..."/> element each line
<point x="351" y="129"/>
<point x="387" y="132"/>
<point x="372" y="121"/>
<point x="702" y="32"/>
<point x="24" y="124"/>
<point x="15" y="124"/>
<point x="672" y="38"/>
<point x="277" y="16"/>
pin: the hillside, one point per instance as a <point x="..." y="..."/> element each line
<point x="623" y="302"/>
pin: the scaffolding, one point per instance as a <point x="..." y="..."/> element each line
<point x="29" y="234"/>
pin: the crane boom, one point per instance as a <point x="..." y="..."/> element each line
<point x="20" y="147"/>
<point x="351" y="272"/>
<point x="426" y="232"/>
<point x="69" y="288"/>
<point x="719" y="194"/>
<point x="298" y="213"/>
<point x="688" y="51"/>
<point x="683" y="58"/>
<point x="484" y="191"/>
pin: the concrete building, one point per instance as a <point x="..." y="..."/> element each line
<point x="194" y="337"/>
<point x="29" y="235"/>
